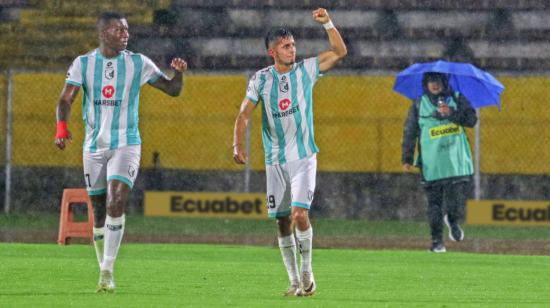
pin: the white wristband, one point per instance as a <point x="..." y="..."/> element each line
<point x="328" y="25"/>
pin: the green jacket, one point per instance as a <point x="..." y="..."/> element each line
<point x="443" y="149"/>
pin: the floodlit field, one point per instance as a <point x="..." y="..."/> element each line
<point x="169" y="275"/>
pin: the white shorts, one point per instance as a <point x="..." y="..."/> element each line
<point x="290" y="184"/>
<point x="121" y="164"/>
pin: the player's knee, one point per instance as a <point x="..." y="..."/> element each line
<point x="283" y="223"/>
<point x="116" y="203"/>
<point x="300" y="216"/>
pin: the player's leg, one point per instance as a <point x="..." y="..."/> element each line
<point x="302" y="177"/>
<point x="287" y="246"/>
<point x="278" y="202"/>
<point x="122" y="170"/>
<point x="455" y="199"/>
<point x="434" y="194"/>
<point x="98" y="204"/>
<point x="95" y="178"/>
<point x="117" y="197"/>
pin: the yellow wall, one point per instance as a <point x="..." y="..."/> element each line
<point x="358" y="125"/>
<point x="517" y="139"/>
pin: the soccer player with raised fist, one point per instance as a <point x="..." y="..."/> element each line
<point x="284" y="92"/>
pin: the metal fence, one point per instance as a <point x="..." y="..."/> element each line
<point x="187" y="144"/>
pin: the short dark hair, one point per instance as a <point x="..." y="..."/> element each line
<point x="105" y="17"/>
<point x="276" y="33"/>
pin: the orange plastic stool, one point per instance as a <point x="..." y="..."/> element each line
<point x="67" y="226"/>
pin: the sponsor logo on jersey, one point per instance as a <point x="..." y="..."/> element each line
<point x="108" y="91"/>
<point x="445" y="130"/>
<point x="285" y="103"/>
<point x="108" y="102"/>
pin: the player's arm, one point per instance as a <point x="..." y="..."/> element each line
<point x="239" y="149"/>
<point x="172" y="86"/>
<point x="338" y="49"/>
<point x="63" y="111"/>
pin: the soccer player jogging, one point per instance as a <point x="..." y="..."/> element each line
<point x="284" y="92"/>
<point x="111" y="78"/>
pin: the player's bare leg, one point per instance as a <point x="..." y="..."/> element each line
<point x="98" y="204"/>
<point x="304" y="235"/>
<point x="117" y="197"/>
<point x="287" y="245"/>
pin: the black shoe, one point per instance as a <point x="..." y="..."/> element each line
<point x="438" y="247"/>
<point x="456" y="233"/>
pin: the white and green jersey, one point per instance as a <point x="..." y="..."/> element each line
<point x="110" y="101"/>
<point x="287" y="110"/>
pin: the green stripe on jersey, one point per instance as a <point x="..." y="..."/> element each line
<point x="98" y="76"/>
<point x="133" y="102"/>
<point x="85" y="95"/>
<point x="274" y="104"/>
<point x="308" y="96"/>
<point x="297" y="115"/>
<point x="266" y="134"/>
<point x="120" y="82"/>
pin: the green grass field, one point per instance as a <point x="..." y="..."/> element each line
<point x="185" y="275"/>
<point x="140" y="225"/>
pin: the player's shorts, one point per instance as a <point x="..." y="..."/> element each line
<point x="290" y="184"/>
<point x="121" y="164"/>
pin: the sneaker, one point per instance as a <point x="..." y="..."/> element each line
<point x="106" y="282"/>
<point x="308" y="284"/>
<point x="293" y="290"/>
<point x="456" y="234"/>
<point x="438" y="247"/>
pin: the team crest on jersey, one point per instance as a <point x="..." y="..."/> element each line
<point x="283" y="84"/>
<point x="109" y="71"/>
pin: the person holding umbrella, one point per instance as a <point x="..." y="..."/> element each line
<point x="436" y="122"/>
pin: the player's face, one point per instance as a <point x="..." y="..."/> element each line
<point x="115" y="34"/>
<point x="435" y="87"/>
<point x="284" y="51"/>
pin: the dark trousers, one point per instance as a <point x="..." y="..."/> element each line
<point x="448" y="198"/>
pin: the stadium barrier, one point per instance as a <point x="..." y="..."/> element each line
<point x="358" y="122"/>
<point x="508" y="212"/>
<point x="205" y="204"/>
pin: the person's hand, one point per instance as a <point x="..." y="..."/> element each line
<point x="444" y="110"/>
<point x="62" y="134"/>
<point x="407" y="167"/>
<point x="239" y="153"/>
<point x="320" y="15"/>
<point x="60" y="141"/>
<point x="179" y="65"/>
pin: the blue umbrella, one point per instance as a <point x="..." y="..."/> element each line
<point x="479" y="87"/>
